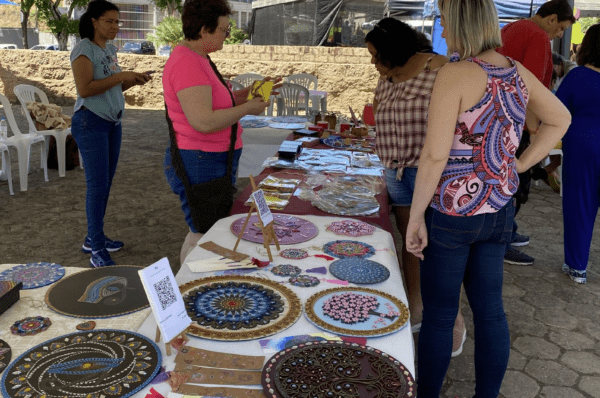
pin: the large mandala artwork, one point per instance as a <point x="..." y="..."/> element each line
<point x="288" y="229"/>
<point x="352" y="228"/>
<point x="359" y="270"/>
<point x="99" y="293"/>
<point x="5" y="354"/>
<point x="239" y="307"/>
<point x="356" y="311"/>
<point x="336" y="369"/>
<point x="348" y="248"/>
<point x="34" y="275"/>
<point x="103" y="363"/>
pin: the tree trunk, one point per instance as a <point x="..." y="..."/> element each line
<point x="63" y="40"/>
<point x="24" y="29"/>
<point x="171" y="9"/>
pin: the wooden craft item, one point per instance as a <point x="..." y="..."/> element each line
<point x="199" y="357"/>
<point x="220" y="391"/>
<point x="222" y="251"/>
<point x="200" y="375"/>
<point x="169" y="343"/>
<point x="359" y="131"/>
<point x="324" y="135"/>
<point x="267" y="230"/>
<point x="348" y="141"/>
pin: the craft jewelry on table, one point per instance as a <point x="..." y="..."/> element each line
<point x="288" y="229"/>
<point x="336" y="369"/>
<point x="348" y="248"/>
<point x="203" y="375"/>
<point x="99" y="293"/>
<point x="111" y="363"/>
<point x="286" y="270"/>
<point x="89" y="325"/>
<point x="358" y="315"/>
<point x="199" y="357"/>
<point x="239" y="307"/>
<point x="352" y="228"/>
<point x="34" y="275"/>
<point x="30" y="326"/>
<point x="359" y="270"/>
<point x="303" y="281"/>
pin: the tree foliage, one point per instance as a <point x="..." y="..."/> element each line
<point x="61" y="25"/>
<point x="170" y="6"/>
<point x="237" y="35"/>
<point x="168" y="32"/>
<point x="587" y="22"/>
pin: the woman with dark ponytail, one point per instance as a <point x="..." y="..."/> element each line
<point x="96" y="124"/>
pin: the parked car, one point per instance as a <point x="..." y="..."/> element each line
<point x="144" y="47"/>
<point x="8" y="47"/>
<point x="164" y="51"/>
<point x="49" y="47"/>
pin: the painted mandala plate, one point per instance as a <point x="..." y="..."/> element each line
<point x="336" y="369"/>
<point x="288" y="229"/>
<point x="34" y="275"/>
<point x="352" y="228"/>
<point x="289" y="119"/>
<point x="99" y="293"/>
<point x="356" y="311"/>
<point x="239" y="307"/>
<point x="102" y="363"/>
<point x="5" y="354"/>
<point x="359" y="270"/>
<point x="348" y="248"/>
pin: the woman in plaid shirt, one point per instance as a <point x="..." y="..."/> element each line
<point x="401" y="109"/>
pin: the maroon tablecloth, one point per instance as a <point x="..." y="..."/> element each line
<point x="302" y="207"/>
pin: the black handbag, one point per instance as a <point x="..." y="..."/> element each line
<point x="212" y="200"/>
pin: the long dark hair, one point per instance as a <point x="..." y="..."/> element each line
<point x="95" y="9"/>
<point x="589" y="51"/>
<point x="394" y="41"/>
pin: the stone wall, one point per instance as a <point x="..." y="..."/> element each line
<point x="345" y="73"/>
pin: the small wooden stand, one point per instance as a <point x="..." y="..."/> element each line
<point x="267" y="230"/>
<point x="168" y="343"/>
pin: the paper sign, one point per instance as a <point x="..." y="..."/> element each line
<point x="263" y="208"/>
<point x="261" y="88"/>
<point x="165" y="299"/>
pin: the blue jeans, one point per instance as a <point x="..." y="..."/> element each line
<point x="467" y="250"/>
<point x="200" y="167"/>
<point x="99" y="143"/>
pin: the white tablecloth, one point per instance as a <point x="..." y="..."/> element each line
<point x="399" y="344"/>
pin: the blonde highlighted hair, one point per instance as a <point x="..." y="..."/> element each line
<point x="472" y="26"/>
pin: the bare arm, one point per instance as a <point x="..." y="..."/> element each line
<point x="196" y="103"/>
<point x="555" y="119"/>
<point x="83" y="73"/>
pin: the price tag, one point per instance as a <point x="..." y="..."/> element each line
<point x="263" y="209"/>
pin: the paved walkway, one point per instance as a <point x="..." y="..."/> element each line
<point x="554" y="323"/>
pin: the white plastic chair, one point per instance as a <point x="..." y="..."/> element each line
<point x="304" y="79"/>
<point x="6" y="166"/>
<point x="26" y="94"/>
<point x="246" y="79"/>
<point x="290" y="100"/>
<point x="235" y="85"/>
<point x="23" y="143"/>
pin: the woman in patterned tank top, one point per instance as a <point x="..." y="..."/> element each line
<point x="401" y="107"/>
<point x="462" y="213"/>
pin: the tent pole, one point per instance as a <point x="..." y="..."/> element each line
<point x="565" y="42"/>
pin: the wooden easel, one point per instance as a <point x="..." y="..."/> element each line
<point x="267" y="230"/>
<point x="168" y="343"/>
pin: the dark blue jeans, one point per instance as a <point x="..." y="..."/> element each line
<point x="200" y="167"/>
<point x="99" y="143"/>
<point x="467" y="250"/>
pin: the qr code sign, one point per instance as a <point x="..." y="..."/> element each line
<point x="165" y="293"/>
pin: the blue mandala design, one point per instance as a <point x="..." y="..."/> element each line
<point x="34" y="275"/>
<point x="233" y="305"/>
<point x="289" y="119"/>
<point x="359" y="270"/>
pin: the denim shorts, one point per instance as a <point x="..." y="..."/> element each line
<point x="401" y="191"/>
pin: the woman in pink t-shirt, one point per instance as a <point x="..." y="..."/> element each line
<point x="202" y="108"/>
